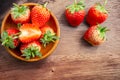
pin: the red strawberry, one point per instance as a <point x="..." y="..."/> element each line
<point x="20" y="14"/>
<point x="9" y="38"/>
<point x="75" y="13"/>
<point x="31" y="50"/>
<point x="46" y="28"/>
<point x="48" y="35"/>
<point x="29" y="32"/>
<point x="97" y="14"/>
<point x="95" y="35"/>
<point x="40" y="15"/>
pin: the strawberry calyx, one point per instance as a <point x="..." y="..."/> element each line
<point x="17" y="10"/>
<point x="8" y="40"/>
<point x="101" y="7"/>
<point x="31" y="52"/>
<point x="48" y="37"/>
<point x="77" y="6"/>
<point x="102" y="31"/>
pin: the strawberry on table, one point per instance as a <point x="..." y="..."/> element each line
<point x="97" y="14"/>
<point x="48" y="35"/>
<point x="96" y="35"/>
<point x="9" y="38"/>
<point x="20" y="14"/>
<point x="31" y="50"/>
<point x="29" y="32"/>
<point x="75" y="13"/>
<point x="40" y="15"/>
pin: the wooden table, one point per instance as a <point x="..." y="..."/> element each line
<point x="74" y="58"/>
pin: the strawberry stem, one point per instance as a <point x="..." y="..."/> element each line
<point x="16" y="5"/>
<point x="46" y="3"/>
<point x="75" y="2"/>
<point x="105" y="2"/>
<point x="19" y="25"/>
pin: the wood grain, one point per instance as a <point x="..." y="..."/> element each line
<point x="73" y="59"/>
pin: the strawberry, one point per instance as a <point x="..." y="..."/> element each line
<point x="48" y="35"/>
<point x="97" y="14"/>
<point x="29" y="32"/>
<point x="20" y="14"/>
<point x="75" y="13"/>
<point x="96" y="35"/>
<point x="9" y="38"/>
<point x="40" y="15"/>
<point x="31" y="50"/>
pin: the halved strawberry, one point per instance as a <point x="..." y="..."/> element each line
<point x="31" y="50"/>
<point x="48" y="35"/>
<point x="20" y="14"/>
<point x="40" y="15"/>
<point x="9" y="38"/>
<point x="29" y="32"/>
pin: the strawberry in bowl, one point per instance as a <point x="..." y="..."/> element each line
<point x="20" y="14"/>
<point x="30" y="34"/>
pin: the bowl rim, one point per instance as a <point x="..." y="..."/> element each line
<point x="49" y="52"/>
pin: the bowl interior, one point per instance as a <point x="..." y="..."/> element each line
<point x="8" y="23"/>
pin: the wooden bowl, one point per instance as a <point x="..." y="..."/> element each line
<point x="7" y="23"/>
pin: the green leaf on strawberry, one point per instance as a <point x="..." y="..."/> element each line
<point x="102" y="31"/>
<point x="48" y="37"/>
<point x="77" y="6"/>
<point x="7" y="40"/>
<point x="101" y="8"/>
<point x="31" y="52"/>
<point x="18" y="11"/>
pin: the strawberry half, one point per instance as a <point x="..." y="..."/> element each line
<point x="95" y="35"/>
<point x="48" y="35"/>
<point x="40" y="15"/>
<point x="97" y="14"/>
<point x="9" y="38"/>
<point x="20" y="14"/>
<point x="31" y="50"/>
<point x="75" y="13"/>
<point x="29" y="32"/>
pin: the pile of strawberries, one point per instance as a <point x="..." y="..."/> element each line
<point x="31" y="32"/>
<point x="97" y="14"/>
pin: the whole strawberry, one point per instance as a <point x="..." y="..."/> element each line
<point x="48" y="35"/>
<point x="75" y="13"/>
<point x="31" y="50"/>
<point x="9" y="38"/>
<point x="40" y="15"/>
<point x="96" y="35"/>
<point x="97" y="14"/>
<point x="20" y="14"/>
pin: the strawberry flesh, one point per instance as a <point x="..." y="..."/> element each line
<point x="29" y="32"/>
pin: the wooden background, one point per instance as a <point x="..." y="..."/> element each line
<point x="73" y="59"/>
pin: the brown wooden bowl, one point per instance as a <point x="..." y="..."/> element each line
<point x="7" y="23"/>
